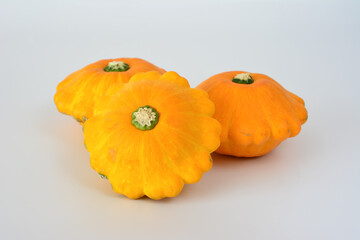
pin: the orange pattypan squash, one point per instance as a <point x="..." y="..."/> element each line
<point x="256" y="112"/>
<point x="77" y="93"/>
<point x="152" y="135"/>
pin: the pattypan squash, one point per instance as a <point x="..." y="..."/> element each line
<point x="152" y="135"/>
<point x="76" y="94"/>
<point x="256" y="113"/>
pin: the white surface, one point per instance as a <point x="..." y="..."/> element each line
<point x="308" y="188"/>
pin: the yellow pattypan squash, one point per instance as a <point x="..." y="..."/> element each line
<point x="77" y="93"/>
<point x="152" y="135"/>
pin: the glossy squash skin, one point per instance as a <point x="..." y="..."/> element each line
<point x="155" y="162"/>
<point x="77" y="93"/>
<point x="255" y="117"/>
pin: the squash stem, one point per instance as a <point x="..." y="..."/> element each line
<point x="116" y="66"/>
<point x="145" y="118"/>
<point x="243" y="78"/>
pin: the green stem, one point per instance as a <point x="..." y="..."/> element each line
<point x="116" y="66"/>
<point x="243" y="78"/>
<point x="145" y="118"/>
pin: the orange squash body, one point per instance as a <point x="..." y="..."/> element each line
<point x="159" y="161"/>
<point x="77" y="93"/>
<point x="255" y="117"/>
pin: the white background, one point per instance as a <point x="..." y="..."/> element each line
<point x="308" y="188"/>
